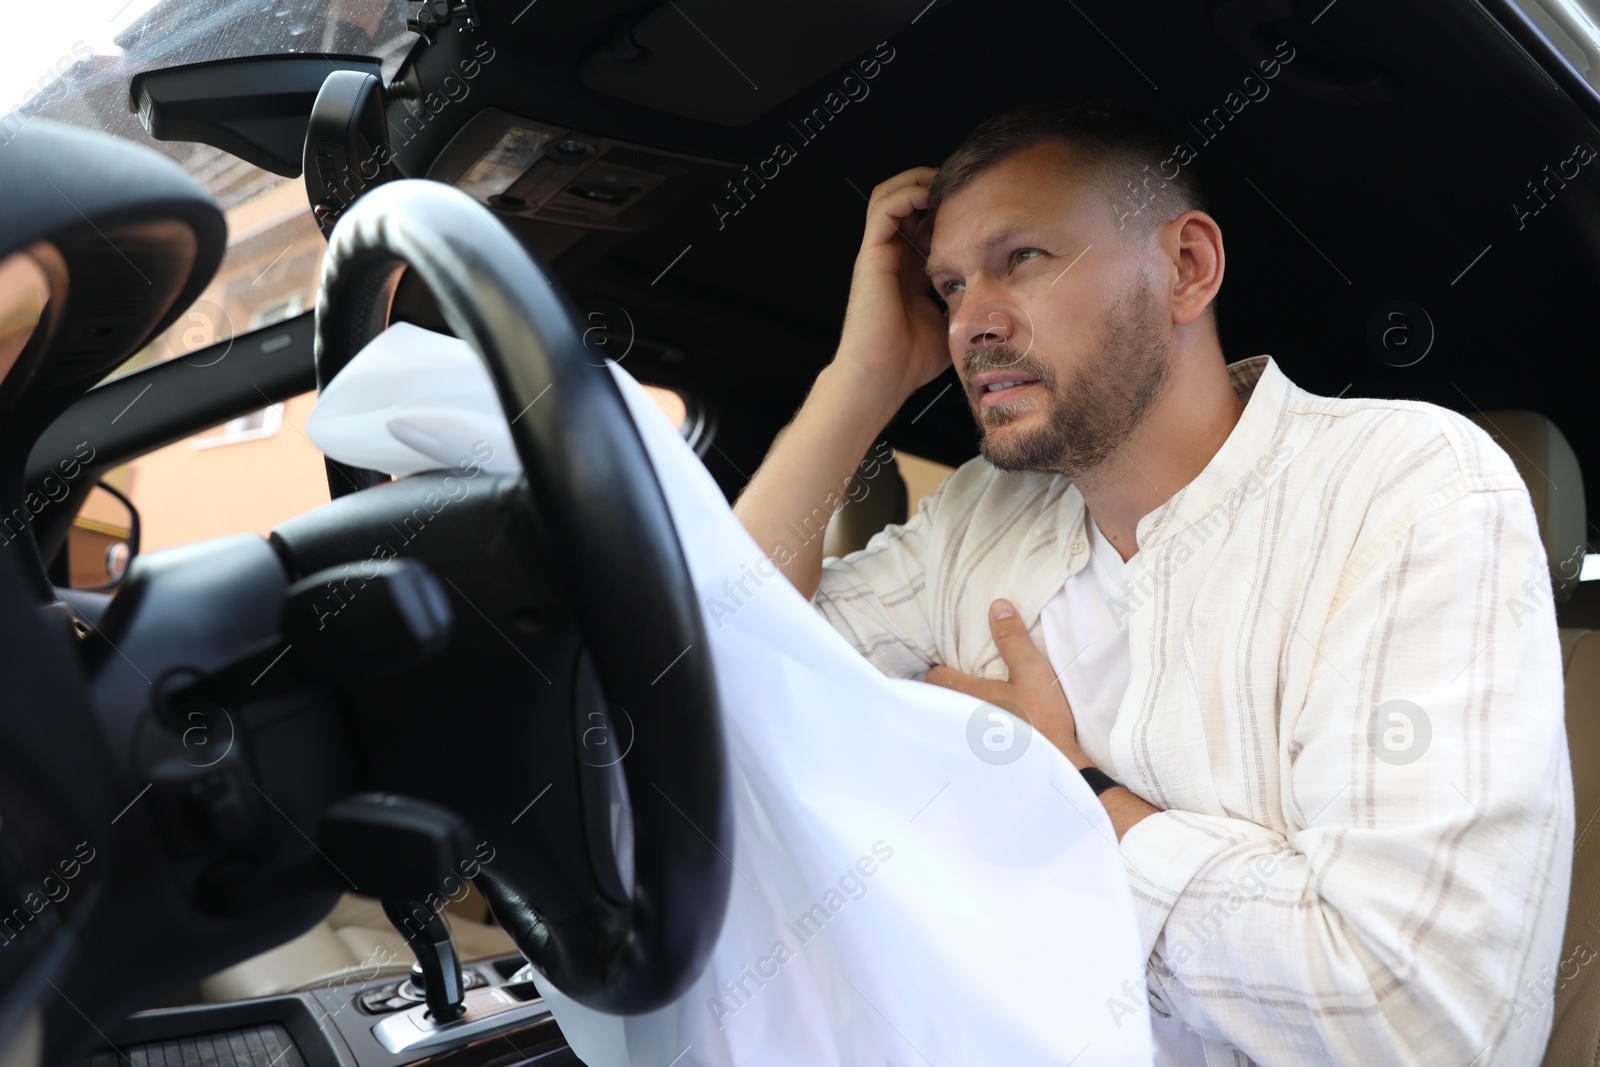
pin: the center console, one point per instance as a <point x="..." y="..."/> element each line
<point x="384" y="1022"/>
<point x="484" y="1014"/>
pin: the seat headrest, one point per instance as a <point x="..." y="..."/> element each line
<point x="1549" y="466"/>
<point x="872" y="501"/>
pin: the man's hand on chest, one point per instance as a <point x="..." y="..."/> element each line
<point x="1033" y="692"/>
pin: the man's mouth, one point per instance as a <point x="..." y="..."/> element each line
<point x="1001" y="387"/>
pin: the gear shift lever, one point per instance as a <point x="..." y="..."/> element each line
<point x="440" y="968"/>
<point x="398" y="849"/>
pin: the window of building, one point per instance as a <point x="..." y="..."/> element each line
<point x="251" y="427"/>
<point x="278" y="310"/>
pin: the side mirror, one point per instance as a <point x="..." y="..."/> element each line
<point x="103" y="540"/>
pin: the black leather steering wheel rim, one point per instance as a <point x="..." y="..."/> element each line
<point x="615" y="552"/>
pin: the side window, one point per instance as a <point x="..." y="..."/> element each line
<point x="247" y="475"/>
<point x="252" y="473"/>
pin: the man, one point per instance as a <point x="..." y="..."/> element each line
<point x="1269" y="626"/>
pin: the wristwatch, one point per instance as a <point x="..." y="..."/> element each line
<point x="1098" y="780"/>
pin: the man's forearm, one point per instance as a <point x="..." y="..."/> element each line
<point x="1125" y="808"/>
<point x="810" y="467"/>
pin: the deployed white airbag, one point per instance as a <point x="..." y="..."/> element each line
<point x="896" y="898"/>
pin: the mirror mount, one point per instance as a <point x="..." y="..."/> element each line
<point x="347" y="145"/>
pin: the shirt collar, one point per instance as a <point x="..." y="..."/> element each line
<point x="1061" y="537"/>
<point x="1265" y="389"/>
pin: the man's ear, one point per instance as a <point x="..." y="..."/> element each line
<point x="1193" y="244"/>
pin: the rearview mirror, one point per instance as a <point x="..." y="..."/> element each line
<point x="254" y="107"/>
<point x="103" y="540"/>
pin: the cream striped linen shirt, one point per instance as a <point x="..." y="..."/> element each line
<point x="1339" y="700"/>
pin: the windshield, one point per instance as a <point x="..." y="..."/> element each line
<point x="73" y="65"/>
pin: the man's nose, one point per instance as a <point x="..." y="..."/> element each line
<point x="988" y="327"/>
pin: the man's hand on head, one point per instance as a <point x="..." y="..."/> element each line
<point x="895" y="337"/>
<point x="1031" y="684"/>
<point x="893" y="343"/>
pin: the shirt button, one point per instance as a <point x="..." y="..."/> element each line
<point x="1077" y="546"/>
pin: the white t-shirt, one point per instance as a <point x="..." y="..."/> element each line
<point x="1086" y="641"/>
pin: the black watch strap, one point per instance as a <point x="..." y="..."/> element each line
<point x="1098" y="780"/>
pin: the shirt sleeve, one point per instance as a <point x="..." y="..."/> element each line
<point x="877" y="597"/>
<point x="1413" y="912"/>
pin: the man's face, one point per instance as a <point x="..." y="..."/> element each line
<point x="1056" y="325"/>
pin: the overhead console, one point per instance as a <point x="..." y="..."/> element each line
<point x="553" y="174"/>
<point x="765" y="51"/>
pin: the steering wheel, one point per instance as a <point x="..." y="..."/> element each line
<point x="591" y="518"/>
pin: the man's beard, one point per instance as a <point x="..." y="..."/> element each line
<point x="1092" y="417"/>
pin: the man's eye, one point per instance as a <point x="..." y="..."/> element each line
<point x="1023" y="254"/>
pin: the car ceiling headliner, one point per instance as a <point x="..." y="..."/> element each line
<point x="1328" y="212"/>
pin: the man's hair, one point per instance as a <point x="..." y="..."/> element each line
<point x="1121" y="152"/>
